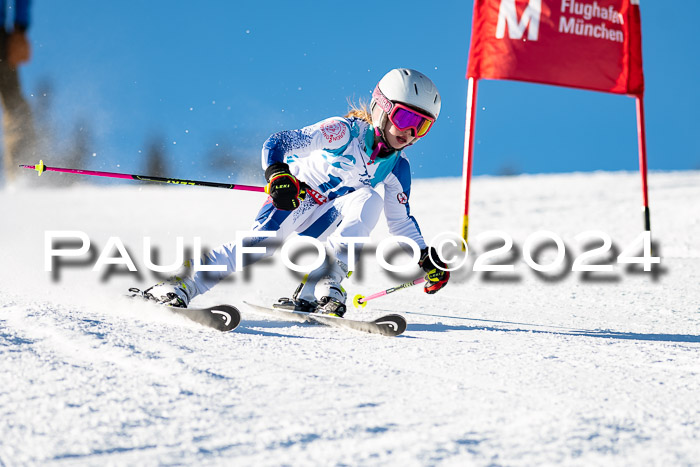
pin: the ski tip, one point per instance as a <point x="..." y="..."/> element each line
<point x="393" y="325"/>
<point x="227" y="317"/>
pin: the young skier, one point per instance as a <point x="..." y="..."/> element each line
<point x="321" y="182"/>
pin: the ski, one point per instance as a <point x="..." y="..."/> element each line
<point x="388" y="325"/>
<point x="223" y="318"/>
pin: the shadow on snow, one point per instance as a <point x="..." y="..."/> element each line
<point x="556" y="330"/>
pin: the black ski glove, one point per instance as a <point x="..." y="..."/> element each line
<point x="286" y="191"/>
<point x="436" y="278"/>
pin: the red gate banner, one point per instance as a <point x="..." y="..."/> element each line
<point x="587" y="44"/>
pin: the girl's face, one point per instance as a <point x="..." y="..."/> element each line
<point x="396" y="138"/>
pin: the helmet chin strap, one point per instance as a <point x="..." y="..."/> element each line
<point x="381" y="148"/>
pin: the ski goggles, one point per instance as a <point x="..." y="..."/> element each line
<point x="403" y="117"/>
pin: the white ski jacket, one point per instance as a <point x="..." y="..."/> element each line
<point x="333" y="157"/>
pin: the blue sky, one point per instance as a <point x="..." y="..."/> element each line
<point x="222" y="72"/>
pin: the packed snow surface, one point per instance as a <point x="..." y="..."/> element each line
<point x="503" y="368"/>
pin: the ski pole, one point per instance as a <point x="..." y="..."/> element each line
<point x="360" y="301"/>
<point x="144" y="178"/>
<point x="318" y="197"/>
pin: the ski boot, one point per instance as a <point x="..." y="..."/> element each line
<point x="331" y="306"/>
<point x="324" y="282"/>
<point x="172" y="292"/>
<point x="295" y="304"/>
<point x="333" y="295"/>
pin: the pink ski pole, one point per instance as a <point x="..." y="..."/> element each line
<point x="144" y="178"/>
<point x="360" y="301"/>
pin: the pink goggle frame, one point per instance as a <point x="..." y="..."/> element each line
<point x="402" y="116"/>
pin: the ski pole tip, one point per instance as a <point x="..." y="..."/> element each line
<point x="358" y="301"/>
<point x="40" y="167"/>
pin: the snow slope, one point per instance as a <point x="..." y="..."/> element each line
<point x="496" y="369"/>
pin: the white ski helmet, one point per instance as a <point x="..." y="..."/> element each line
<point x="408" y="87"/>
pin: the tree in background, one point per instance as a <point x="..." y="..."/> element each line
<point x="156" y="157"/>
<point x="19" y="134"/>
<point x="78" y="149"/>
<point x="230" y="163"/>
<point x="72" y="150"/>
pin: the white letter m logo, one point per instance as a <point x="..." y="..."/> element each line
<point x="508" y="14"/>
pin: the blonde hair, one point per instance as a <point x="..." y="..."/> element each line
<point x="359" y="110"/>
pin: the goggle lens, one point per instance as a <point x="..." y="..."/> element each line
<point x="404" y="118"/>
